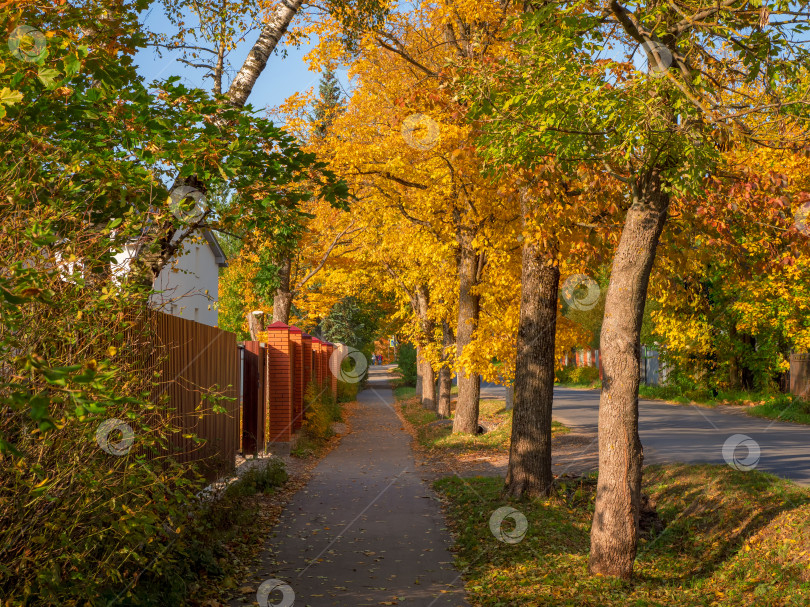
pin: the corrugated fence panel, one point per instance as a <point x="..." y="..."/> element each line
<point x="199" y="373"/>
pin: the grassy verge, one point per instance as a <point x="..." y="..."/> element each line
<point x="493" y="416"/>
<point x="590" y="385"/>
<point x="401" y="392"/>
<point x="772" y="406"/>
<point x="729" y="538"/>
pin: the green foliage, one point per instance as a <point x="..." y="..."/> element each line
<point x="403" y="392"/>
<point x="233" y="284"/>
<point x="267" y="278"/>
<point x="347" y="391"/>
<point x="89" y="152"/>
<point x="259" y="479"/>
<point x="406" y="362"/>
<point x="330" y="101"/>
<point x="585" y="376"/>
<point x="352" y="322"/>
<point x="321" y="410"/>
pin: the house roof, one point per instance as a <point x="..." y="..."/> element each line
<point x="216" y="249"/>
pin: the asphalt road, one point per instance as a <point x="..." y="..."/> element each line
<point x="693" y="434"/>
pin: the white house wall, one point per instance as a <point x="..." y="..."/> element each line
<point x="188" y="286"/>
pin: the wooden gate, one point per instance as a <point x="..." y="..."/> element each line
<point x="253" y="404"/>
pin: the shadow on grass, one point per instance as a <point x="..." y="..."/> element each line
<point x="711" y="514"/>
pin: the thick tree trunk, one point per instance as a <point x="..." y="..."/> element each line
<point x="282" y="301"/>
<point x="469" y="385"/>
<point x="445" y="379"/>
<point x="614" y="533"/>
<point x="529" y="470"/>
<point x="257" y="58"/>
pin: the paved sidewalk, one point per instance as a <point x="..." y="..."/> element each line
<point x="366" y="530"/>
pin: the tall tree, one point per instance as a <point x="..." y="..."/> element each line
<point x="656" y="129"/>
<point x="329" y="101"/>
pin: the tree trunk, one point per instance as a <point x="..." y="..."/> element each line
<point x="257" y="58"/>
<point x="529" y="470"/>
<point x="428" y="392"/>
<point x="614" y="532"/>
<point x="469" y="385"/>
<point x="418" y="371"/>
<point x="428" y="386"/>
<point x="254" y="326"/>
<point x="445" y="379"/>
<point x="282" y="302"/>
<point x="733" y="361"/>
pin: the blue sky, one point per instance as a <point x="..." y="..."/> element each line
<point x="282" y="77"/>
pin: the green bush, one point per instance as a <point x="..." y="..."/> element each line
<point x="577" y="375"/>
<point x="321" y="410"/>
<point x="347" y="392"/>
<point x="406" y="360"/>
<point x="259" y="479"/>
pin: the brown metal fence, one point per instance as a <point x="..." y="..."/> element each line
<point x="198" y="381"/>
<point x="800" y="375"/>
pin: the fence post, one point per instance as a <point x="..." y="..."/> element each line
<point x="333" y="377"/>
<point x="306" y="343"/>
<point x="324" y="348"/>
<point x="280" y="383"/>
<point x="317" y="375"/>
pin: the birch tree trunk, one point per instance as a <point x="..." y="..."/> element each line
<point x="244" y="81"/>
<point x="614" y="532"/>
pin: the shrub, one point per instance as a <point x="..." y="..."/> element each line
<point x="321" y="410"/>
<point x="347" y="392"/>
<point x="577" y="375"/>
<point x="259" y="479"/>
<point x="406" y="360"/>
